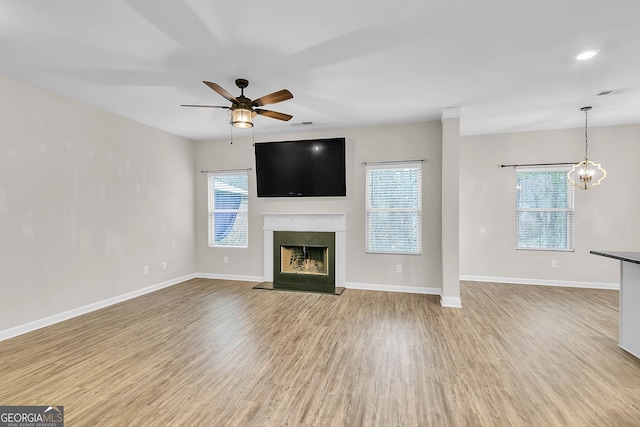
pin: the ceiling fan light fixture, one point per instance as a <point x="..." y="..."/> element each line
<point x="242" y="118"/>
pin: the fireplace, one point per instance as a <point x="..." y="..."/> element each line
<point x="304" y="261"/>
<point x="332" y="223"/>
<point x="296" y="259"/>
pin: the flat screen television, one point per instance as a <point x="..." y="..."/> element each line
<point x="303" y="168"/>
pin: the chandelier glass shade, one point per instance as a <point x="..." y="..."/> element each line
<point x="586" y="174"/>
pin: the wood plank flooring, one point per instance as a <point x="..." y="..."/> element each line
<point x="218" y="353"/>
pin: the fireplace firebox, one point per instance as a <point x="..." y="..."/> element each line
<point x="304" y="261"/>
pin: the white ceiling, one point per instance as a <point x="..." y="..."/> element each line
<point x="509" y="65"/>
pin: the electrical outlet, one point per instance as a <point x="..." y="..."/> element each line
<point x="554" y="263"/>
<point x="146" y="269"/>
<point x="164" y="265"/>
<point x="398" y="268"/>
<point x="226" y="260"/>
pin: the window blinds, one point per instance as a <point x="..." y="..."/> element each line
<point x="544" y="208"/>
<point x="394" y="208"/>
<point x="228" y="208"/>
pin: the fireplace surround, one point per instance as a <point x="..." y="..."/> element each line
<point x="333" y="223"/>
<point x="304" y="261"/>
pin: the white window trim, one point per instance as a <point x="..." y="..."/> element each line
<point x="212" y="211"/>
<point x="393" y="165"/>
<point x="570" y="209"/>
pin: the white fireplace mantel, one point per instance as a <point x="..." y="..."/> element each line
<point x="329" y="222"/>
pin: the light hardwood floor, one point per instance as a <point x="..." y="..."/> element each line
<point x="216" y="353"/>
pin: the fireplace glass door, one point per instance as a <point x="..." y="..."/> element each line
<point x="304" y="260"/>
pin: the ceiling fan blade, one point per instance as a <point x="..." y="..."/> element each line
<point x="204" y="106"/>
<point x="272" y="98"/>
<point x="221" y="91"/>
<point x="274" y="114"/>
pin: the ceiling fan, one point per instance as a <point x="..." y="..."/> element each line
<point x="243" y="109"/>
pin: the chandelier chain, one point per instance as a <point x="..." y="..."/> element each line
<point x="586" y="139"/>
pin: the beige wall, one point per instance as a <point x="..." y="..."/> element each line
<point x="87" y="199"/>
<point x="606" y="217"/>
<point x="402" y="142"/>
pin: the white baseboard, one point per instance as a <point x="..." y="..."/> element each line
<point x="451" y="302"/>
<point x="56" y="318"/>
<point x="229" y="277"/>
<point x="348" y="285"/>
<point x="393" y="288"/>
<point x="542" y="282"/>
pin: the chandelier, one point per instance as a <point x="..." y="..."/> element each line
<point x="586" y="174"/>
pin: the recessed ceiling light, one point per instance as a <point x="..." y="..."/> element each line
<point x="587" y="54"/>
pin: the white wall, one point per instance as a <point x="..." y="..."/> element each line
<point x="87" y="199"/>
<point x="403" y="142"/>
<point x="606" y="217"/>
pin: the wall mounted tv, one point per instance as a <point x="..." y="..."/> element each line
<point x="303" y="168"/>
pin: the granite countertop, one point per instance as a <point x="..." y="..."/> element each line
<point x="622" y="256"/>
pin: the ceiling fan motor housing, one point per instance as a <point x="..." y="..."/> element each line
<point x="242" y="102"/>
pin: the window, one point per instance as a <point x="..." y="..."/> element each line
<point x="394" y="208"/>
<point x="228" y="209"/>
<point x="544" y="209"/>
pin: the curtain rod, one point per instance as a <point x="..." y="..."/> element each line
<point x="226" y="170"/>
<point x="538" y="164"/>
<point x="395" y="161"/>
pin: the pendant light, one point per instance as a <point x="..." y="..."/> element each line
<point x="586" y="174"/>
